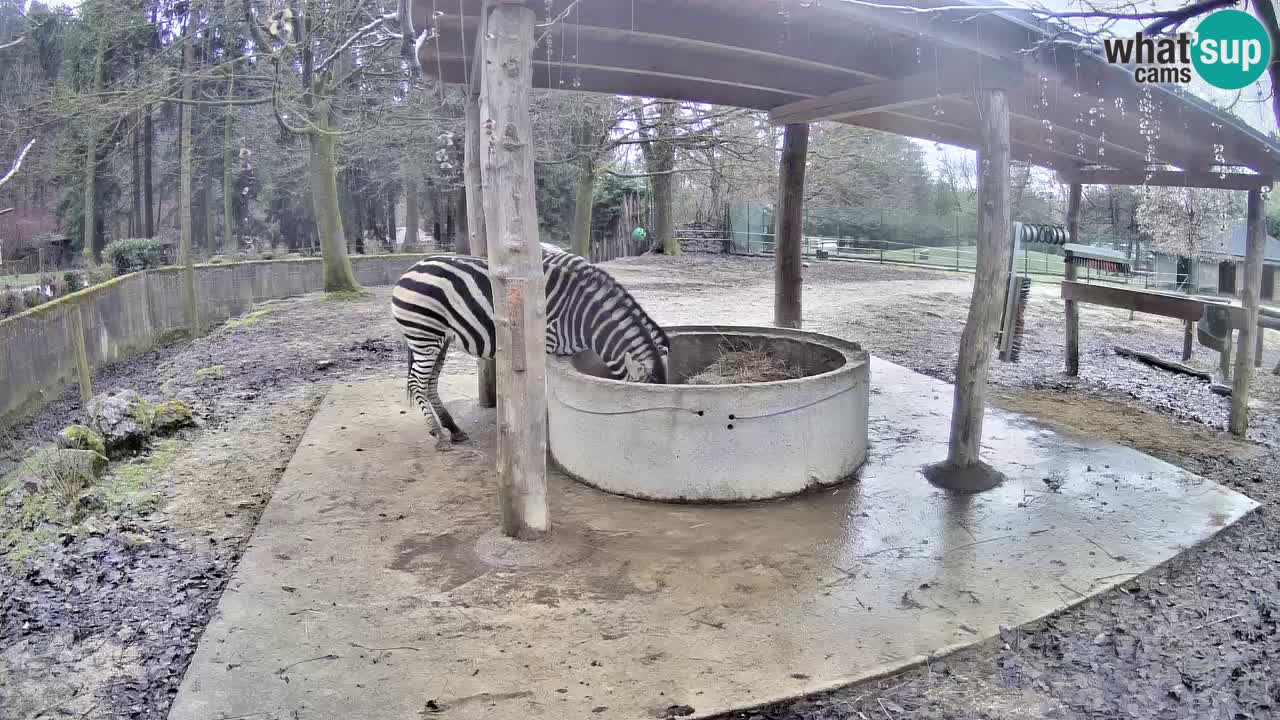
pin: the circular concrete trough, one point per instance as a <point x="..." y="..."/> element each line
<point x="715" y="443"/>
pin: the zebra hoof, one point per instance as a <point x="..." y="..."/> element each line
<point x="459" y="436"/>
<point x="443" y="445"/>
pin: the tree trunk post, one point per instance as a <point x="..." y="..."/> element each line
<point x="582" y="207"/>
<point x="148" y="209"/>
<point x="411" y="214"/>
<point x="476" y="236"/>
<point x="462" y="243"/>
<point x="230" y="154"/>
<point x="993" y="253"/>
<point x="91" y="161"/>
<point x="84" y="374"/>
<point x="135" y="204"/>
<point x="185" y="219"/>
<point x="1256" y="232"/>
<point x="338" y="275"/>
<point x="788" y="251"/>
<point x="1073" y="312"/>
<point x="515" y="266"/>
<point x="1189" y="326"/>
<point x="1224" y="358"/>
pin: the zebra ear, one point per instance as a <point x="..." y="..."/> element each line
<point x="635" y="371"/>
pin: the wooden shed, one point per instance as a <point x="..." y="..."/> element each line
<point x="1008" y="83"/>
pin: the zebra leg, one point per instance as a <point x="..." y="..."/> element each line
<point x="433" y="396"/>
<point x="422" y="371"/>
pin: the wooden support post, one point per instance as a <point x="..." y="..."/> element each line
<point x="1256" y="233"/>
<point x="789" y="226"/>
<point x="476" y="238"/>
<point x="84" y="374"/>
<point x="993" y="253"/>
<point x="515" y="266"/>
<point x="1224" y="359"/>
<point x="1257" y="360"/>
<point x="1073" y="312"/>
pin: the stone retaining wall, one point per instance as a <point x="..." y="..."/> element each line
<point x="40" y="349"/>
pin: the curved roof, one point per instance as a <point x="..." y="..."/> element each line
<point x="871" y="64"/>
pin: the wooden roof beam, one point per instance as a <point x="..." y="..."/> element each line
<point x="621" y="51"/>
<point x="555" y="76"/>
<point x="1187" y="123"/>
<point x="1167" y="178"/>
<point x="894" y="94"/>
<point x="962" y="136"/>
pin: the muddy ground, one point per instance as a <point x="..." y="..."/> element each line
<point x="102" y="621"/>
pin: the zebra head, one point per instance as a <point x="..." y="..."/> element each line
<point x="611" y="322"/>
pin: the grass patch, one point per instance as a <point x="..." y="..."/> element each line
<point x="215" y="371"/>
<point x="128" y="489"/>
<point x="347" y="295"/>
<point x="22" y="545"/>
<point x="133" y="487"/>
<point x="19" y="280"/>
<point x="252" y="318"/>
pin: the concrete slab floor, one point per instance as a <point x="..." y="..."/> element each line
<point x="376" y="587"/>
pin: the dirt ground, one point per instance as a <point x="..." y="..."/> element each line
<point x="102" y="622"/>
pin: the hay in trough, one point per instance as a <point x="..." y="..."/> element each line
<point x="752" y="364"/>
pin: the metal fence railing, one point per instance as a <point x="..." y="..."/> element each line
<point x="1046" y="263"/>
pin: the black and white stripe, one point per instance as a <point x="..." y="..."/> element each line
<point x="449" y="298"/>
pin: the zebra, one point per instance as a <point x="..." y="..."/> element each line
<point x="449" y="297"/>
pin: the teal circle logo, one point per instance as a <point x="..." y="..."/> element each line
<point x="1232" y="49"/>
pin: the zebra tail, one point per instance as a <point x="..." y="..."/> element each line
<point x="408" y="391"/>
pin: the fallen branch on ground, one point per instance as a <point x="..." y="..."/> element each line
<point x="1163" y="364"/>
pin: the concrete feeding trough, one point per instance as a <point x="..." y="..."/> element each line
<point x="715" y="443"/>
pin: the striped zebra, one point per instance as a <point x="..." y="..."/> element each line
<point x="449" y="298"/>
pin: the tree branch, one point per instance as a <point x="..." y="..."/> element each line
<point x="17" y="164"/>
<point x="275" y="109"/>
<point x="407" y="37"/>
<point x="1177" y="17"/>
<point x="360" y="32"/>
<point x="641" y="175"/>
<point x="1267" y="14"/>
<point x="11" y="43"/>
<point x="255" y="31"/>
